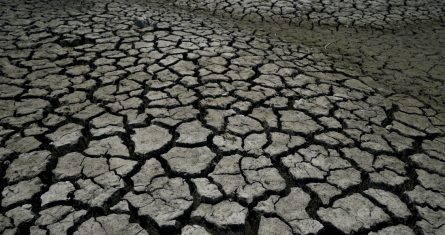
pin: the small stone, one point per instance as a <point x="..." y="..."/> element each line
<point x="140" y="21"/>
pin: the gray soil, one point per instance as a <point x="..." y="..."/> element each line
<point x="222" y="117"/>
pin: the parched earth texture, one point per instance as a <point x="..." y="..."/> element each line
<point x="222" y="117"/>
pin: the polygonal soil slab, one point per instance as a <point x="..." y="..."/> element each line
<point x="27" y="165"/>
<point x="110" y="224"/>
<point x="240" y="124"/>
<point x="112" y="146"/>
<point x="150" y="139"/>
<point x="67" y="135"/>
<point x="189" y="161"/>
<point x="223" y="215"/>
<point x="163" y="200"/>
<point x="352" y="213"/>
<point x="292" y="208"/>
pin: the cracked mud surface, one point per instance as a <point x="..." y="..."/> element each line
<point x="268" y="117"/>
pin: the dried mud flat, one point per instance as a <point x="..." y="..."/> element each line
<point x="222" y="117"/>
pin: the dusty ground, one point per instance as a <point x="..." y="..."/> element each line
<point x="222" y="117"/>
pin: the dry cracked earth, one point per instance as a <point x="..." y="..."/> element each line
<point x="222" y="117"/>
